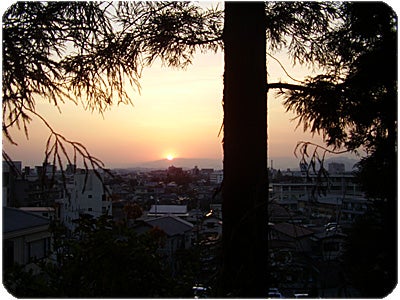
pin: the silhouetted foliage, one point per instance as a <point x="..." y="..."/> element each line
<point x="301" y="29"/>
<point x="132" y="211"/>
<point x="370" y="257"/>
<point x="354" y="106"/>
<point x="103" y="259"/>
<point x="86" y="52"/>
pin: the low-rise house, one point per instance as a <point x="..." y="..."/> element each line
<point x="47" y="212"/>
<point x="26" y="237"/>
<point x="298" y="236"/>
<point x="278" y="213"/>
<point x="177" y="232"/>
<point x="168" y="210"/>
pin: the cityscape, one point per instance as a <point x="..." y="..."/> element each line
<point x="307" y="228"/>
<point x="176" y="149"/>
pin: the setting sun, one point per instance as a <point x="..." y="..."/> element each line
<point x="170" y="157"/>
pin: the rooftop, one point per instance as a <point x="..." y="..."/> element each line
<point x="15" y="219"/>
<point x="168" y="209"/>
<point x="292" y="230"/>
<point x="170" y="225"/>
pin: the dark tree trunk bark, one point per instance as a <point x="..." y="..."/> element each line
<point x="245" y="186"/>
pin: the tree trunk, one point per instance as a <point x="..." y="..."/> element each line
<point x="245" y="185"/>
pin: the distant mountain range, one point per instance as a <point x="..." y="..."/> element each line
<point x="282" y="163"/>
<point x="186" y="163"/>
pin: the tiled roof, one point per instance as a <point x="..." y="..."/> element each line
<point x="276" y="210"/>
<point x="15" y="219"/>
<point x="292" y="230"/>
<point x="170" y="225"/>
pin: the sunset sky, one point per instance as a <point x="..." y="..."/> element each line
<point x="177" y="112"/>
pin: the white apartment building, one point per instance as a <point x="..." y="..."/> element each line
<point x="343" y="197"/>
<point x="338" y="184"/>
<point x="83" y="197"/>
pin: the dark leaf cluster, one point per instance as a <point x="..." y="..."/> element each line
<point x="170" y="31"/>
<point x="301" y="28"/>
<point x="100" y="260"/>
<point x="313" y="165"/>
<point x="373" y="272"/>
<point x="90" y="53"/>
<point x="354" y="105"/>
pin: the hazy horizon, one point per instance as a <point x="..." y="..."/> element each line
<point x="178" y="112"/>
<point x="281" y="163"/>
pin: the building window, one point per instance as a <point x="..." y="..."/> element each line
<point x="90" y="196"/>
<point x="38" y="249"/>
<point x="90" y="209"/>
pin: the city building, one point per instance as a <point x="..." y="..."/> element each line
<point x="217" y="177"/>
<point x="157" y="210"/>
<point x="27" y="187"/>
<point x="177" y="233"/>
<point x="334" y="196"/>
<point x="86" y="195"/>
<point x="297" y="236"/>
<point x="336" y="168"/>
<point x="11" y="172"/>
<point x="46" y="212"/>
<point x="26" y="237"/>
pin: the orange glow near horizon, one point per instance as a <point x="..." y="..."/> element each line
<point x="178" y="108"/>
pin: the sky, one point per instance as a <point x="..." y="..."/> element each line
<point x="178" y="113"/>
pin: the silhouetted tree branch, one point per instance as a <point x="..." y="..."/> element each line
<point x="354" y="106"/>
<point x="286" y="86"/>
<point x="87" y="52"/>
<point x="283" y="68"/>
<point x="313" y="163"/>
